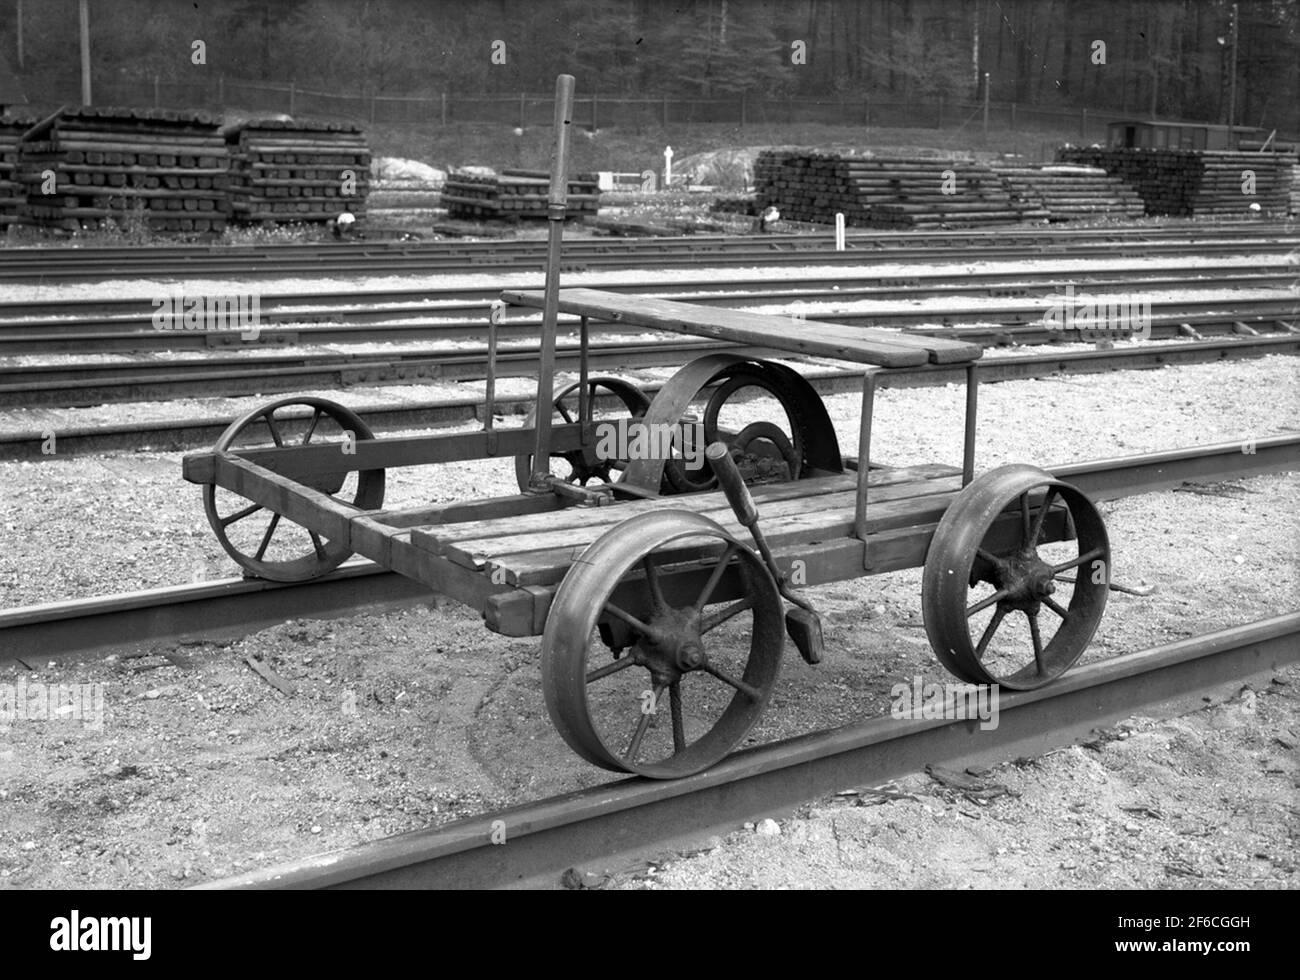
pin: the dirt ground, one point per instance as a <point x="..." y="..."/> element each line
<point x="1207" y="800"/>
<point x="198" y="767"/>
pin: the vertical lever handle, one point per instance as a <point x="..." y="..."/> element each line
<point x="733" y="485"/>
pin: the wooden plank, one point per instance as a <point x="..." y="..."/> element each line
<point x="437" y="540"/>
<point x="835" y="560"/>
<point x="864" y="345"/>
<point x="490" y="509"/>
<point x="543" y="559"/>
<point x="302" y="505"/>
<point x="375" y="454"/>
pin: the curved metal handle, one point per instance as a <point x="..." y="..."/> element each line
<point x="733" y="485"/>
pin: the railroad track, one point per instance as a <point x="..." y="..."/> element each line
<point x="51" y="337"/>
<point x="614" y="826"/>
<point x="239" y="376"/>
<point x="231" y="608"/>
<point x="352" y="259"/>
<point x="56" y="315"/>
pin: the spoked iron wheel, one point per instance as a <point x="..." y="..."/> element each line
<point x="780" y="438"/>
<point x="265" y="543"/>
<point x="579" y="466"/>
<point x="656" y="673"/>
<point x="1002" y="607"/>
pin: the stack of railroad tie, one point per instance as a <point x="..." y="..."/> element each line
<point x="297" y="171"/>
<point x="878" y="192"/>
<point x="11" y="191"/>
<point x="165" y="168"/>
<point x="1195" y="182"/>
<point x="1068" y="191"/>
<point x="516" y="194"/>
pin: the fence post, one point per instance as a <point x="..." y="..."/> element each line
<point x="1083" y="125"/>
<point x="444" y="108"/>
<point x="157" y="100"/>
<point x="372" y="108"/>
<point x="665" y="110"/>
<point x="742" y="110"/>
<point x="940" y="126"/>
<point x="1013" y="117"/>
<point x="521" y="110"/>
<point x="221" y="90"/>
<point x="594" y="118"/>
<point x="292" y="95"/>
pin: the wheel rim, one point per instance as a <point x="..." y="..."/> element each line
<point x="579" y="466"/>
<point x="693" y="668"/>
<point x="263" y="542"/>
<point x="1002" y="607"/>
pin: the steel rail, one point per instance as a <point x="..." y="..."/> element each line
<point x="1023" y="313"/>
<point x="88" y="384"/>
<point x="80" y="628"/>
<point x="612" y="826"/>
<point x="374" y="304"/>
<point x="685" y="252"/>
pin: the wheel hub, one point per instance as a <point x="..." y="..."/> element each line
<point x="1026" y="577"/>
<point x="674" y="646"/>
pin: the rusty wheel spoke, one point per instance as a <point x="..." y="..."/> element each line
<point x="266" y="538"/>
<point x="1024" y="519"/>
<point x="652" y="582"/>
<point x="983" y="604"/>
<point x="1037" y="638"/>
<point x="679" y="726"/>
<point x="318" y="545"/>
<point x="738" y="684"/>
<point x="715" y="577"/>
<point x="239" y="515"/>
<point x="311" y="429"/>
<point x="643" y="725"/>
<point x="628" y="618"/>
<point x="610" y="668"/>
<point x="715" y="619"/>
<point x="1055" y="606"/>
<point x="1092" y="555"/>
<point x="1041" y="519"/>
<point x="274" y="426"/>
<point x="989" y="630"/>
<point x="564" y="412"/>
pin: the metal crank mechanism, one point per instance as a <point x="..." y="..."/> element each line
<point x="802" y="623"/>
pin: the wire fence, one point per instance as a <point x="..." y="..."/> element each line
<point x="593" y="111"/>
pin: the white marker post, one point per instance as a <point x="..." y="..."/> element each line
<point x="839" y="231"/>
<point x="668" y="167"/>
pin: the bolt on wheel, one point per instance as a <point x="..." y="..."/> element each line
<point x="662" y="646"/>
<point x="264" y="542"/>
<point x="1016" y="579"/>
<point x="581" y="465"/>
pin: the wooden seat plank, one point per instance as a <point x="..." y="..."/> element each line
<point x="546" y="567"/>
<point x="816" y="517"/>
<point x="798" y="537"/>
<point x="437" y="538"/>
<point x="864" y="345"/>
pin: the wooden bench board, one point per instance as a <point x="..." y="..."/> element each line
<point x="864" y="345"/>
<point x="925" y="504"/>
<point x="440" y="538"/>
<point x="788" y="521"/>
